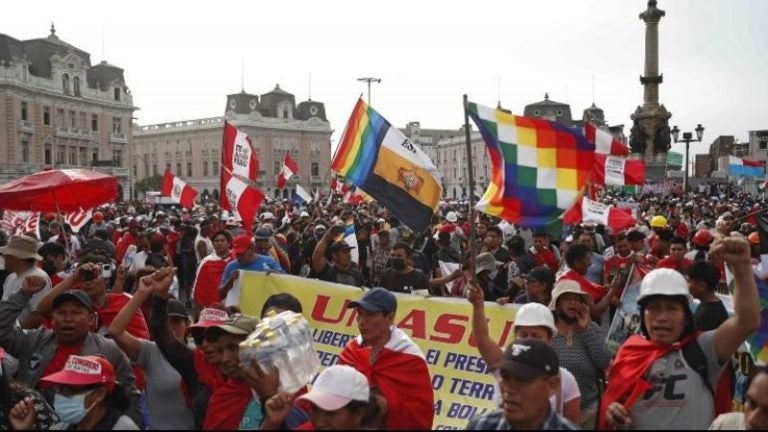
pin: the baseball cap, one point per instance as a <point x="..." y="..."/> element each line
<point x="541" y="274"/>
<point x="210" y="317"/>
<point x="73" y="295"/>
<point x="340" y="246"/>
<point x="83" y="371"/>
<point x="529" y="359"/>
<point x="263" y="234"/>
<point x="177" y="309"/>
<point x="241" y="243"/>
<point x="337" y="386"/>
<point x="376" y="300"/>
<point x="242" y="325"/>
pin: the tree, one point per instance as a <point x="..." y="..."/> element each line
<point x="153" y="183"/>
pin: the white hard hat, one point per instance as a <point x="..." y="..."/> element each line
<point x="568" y="286"/>
<point x="666" y="282"/>
<point x="267" y="216"/>
<point x="535" y="314"/>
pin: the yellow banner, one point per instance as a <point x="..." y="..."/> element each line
<point x="440" y="326"/>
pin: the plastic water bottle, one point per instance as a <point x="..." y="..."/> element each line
<point x="130" y="255"/>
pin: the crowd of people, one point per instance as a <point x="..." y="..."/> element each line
<point x="133" y="322"/>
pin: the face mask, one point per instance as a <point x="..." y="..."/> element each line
<point x="398" y="263"/>
<point x="71" y="410"/>
<point x="49" y="267"/>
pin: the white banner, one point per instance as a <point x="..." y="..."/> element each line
<point x="78" y="219"/>
<point x="614" y="170"/>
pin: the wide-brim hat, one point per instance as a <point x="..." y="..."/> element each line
<point x="22" y="247"/>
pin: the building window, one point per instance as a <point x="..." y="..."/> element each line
<point x="24" y="110"/>
<point x="189" y="169"/>
<point x="117" y="157"/>
<point x="95" y="154"/>
<point x="178" y="168"/>
<point x="46" y="116"/>
<point x="48" y="154"/>
<point x="94" y="122"/>
<point x="278" y="167"/>
<point x="117" y="125"/>
<point x="72" y="156"/>
<point x="117" y="93"/>
<point x="76" y="85"/>
<point x="215" y="167"/>
<point x="762" y="145"/>
<point x="24" y="150"/>
<point x="72" y="119"/>
<point x="315" y="169"/>
<point x="135" y="171"/>
<point x="205" y="168"/>
<point x="154" y="169"/>
<point x="65" y="83"/>
<point x="60" y="155"/>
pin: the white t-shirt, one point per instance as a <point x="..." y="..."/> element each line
<point x="13" y="283"/>
<point x="569" y="390"/>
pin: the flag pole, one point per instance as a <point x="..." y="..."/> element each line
<point x="470" y="173"/>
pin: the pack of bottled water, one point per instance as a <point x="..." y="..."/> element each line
<point x="283" y="341"/>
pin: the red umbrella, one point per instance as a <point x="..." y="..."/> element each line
<point x="59" y="190"/>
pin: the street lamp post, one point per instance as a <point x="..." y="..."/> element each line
<point x="687" y="138"/>
<point x="369" y="81"/>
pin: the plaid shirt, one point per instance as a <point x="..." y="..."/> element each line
<point x="495" y="421"/>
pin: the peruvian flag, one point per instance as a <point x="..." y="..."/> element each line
<point x="587" y="211"/>
<point x="242" y="197"/>
<point x="605" y="143"/>
<point x="237" y="154"/>
<point x="178" y="190"/>
<point x="290" y="167"/>
<point x="338" y="187"/>
<point x="353" y="196"/>
<point x="617" y="170"/>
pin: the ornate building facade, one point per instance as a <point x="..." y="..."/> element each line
<point x="59" y="110"/>
<point x="191" y="149"/>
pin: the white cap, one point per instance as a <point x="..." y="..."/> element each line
<point x="666" y="282"/>
<point x="452" y="217"/>
<point x="535" y="314"/>
<point x="337" y="386"/>
<point x="267" y="215"/>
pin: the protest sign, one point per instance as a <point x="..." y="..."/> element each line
<point x="626" y="321"/>
<point x="440" y="326"/>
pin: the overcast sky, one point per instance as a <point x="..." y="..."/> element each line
<point x="181" y="59"/>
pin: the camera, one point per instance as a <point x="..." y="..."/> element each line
<point x="102" y="270"/>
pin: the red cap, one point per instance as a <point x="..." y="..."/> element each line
<point x="83" y="371"/>
<point x="241" y="243"/>
<point x="210" y="317"/>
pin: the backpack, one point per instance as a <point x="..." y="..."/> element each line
<point x="722" y="393"/>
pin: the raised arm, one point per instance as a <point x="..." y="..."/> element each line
<point x="489" y="350"/>
<point x="746" y="302"/>
<point x="318" y="255"/>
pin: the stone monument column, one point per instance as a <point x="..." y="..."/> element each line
<point x="649" y="137"/>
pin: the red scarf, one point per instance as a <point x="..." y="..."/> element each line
<point x="402" y="378"/>
<point x="635" y="357"/>
<point x="227" y="406"/>
<point x="206" y="372"/>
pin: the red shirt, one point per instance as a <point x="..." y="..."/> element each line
<point x="59" y="360"/>
<point x="545" y="257"/>
<point x="670" y="263"/>
<point x="115" y="302"/>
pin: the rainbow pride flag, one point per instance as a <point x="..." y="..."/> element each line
<point x="385" y="164"/>
<point x="539" y="167"/>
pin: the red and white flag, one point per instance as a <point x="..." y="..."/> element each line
<point x="237" y="153"/>
<point x="354" y="196"/>
<point x="78" y="219"/>
<point x="30" y="225"/>
<point x="617" y="170"/>
<point x="242" y="197"/>
<point x="13" y="219"/>
<point x="290" y="167"/>
<point x="178" y="190"/>
<point x="605" y="142"/>
<point x="338" y="187"/>
<point x="587" y="211"/>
